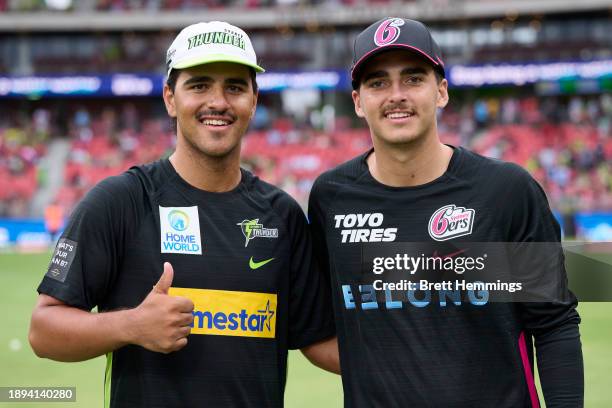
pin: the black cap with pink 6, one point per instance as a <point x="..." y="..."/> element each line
<point x="395" y="33"/>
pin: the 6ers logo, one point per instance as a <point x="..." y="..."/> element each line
<point x="451" y="221"/>
<point x="388" y="31"/>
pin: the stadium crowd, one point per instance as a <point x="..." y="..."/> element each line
<point x="22" y="145"/>
<point x="566" y="143"/>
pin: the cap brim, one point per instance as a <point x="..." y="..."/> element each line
<point x="355" y="71"/>
<point x="188" y="63"/>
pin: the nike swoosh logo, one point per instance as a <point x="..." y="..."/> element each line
<point x="255" y="265"/>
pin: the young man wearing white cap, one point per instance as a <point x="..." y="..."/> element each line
<point x="237" y="288"/>
<point x="385" y="217"/>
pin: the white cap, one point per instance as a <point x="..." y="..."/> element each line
<point x="215" y="41"/>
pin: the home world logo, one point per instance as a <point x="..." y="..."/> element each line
<point x="178" y="220"/>
<point x="180" y="230"/>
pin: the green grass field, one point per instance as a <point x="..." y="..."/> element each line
<point x="307" y="386"/>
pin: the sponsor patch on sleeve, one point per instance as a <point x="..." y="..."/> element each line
<point x="62" y="259"/>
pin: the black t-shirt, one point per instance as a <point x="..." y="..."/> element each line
<point x="244" y="255"/>
<point x="410" y="352"/>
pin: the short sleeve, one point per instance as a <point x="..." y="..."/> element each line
<point x="87" y="256"/>
<point x="316" y="219"/>
<point x="310" y="307"/>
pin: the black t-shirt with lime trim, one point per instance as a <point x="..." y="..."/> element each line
<point x="243" y="256"/>
<point x="400" y="351"/>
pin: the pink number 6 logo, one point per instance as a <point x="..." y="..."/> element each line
<point x="388" y="31"/>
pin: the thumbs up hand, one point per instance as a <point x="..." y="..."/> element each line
<point x="165" y="281"/>
<point x="162" y="322"/>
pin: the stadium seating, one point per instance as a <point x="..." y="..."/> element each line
<point x="565" y="157"/>
<point x="569" y="153"/>
<point x="20" y="152"/>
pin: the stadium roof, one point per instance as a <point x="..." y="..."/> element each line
<point x="440" y="10"/>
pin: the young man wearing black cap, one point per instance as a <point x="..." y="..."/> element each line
<point x="405" y="347"/>
<point x="237" y="289"/>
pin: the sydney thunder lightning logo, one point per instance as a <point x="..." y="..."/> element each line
<point x="253" y="229"/>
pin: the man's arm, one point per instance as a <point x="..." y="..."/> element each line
<point x="324" y="354"/>
<point x="160" y="323"/>
<point x="560" y="366"/>
<point x="553" y="323"/>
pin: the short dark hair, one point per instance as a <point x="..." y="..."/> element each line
<point x="174" y="74"/>
<point x="439" y="76"/>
